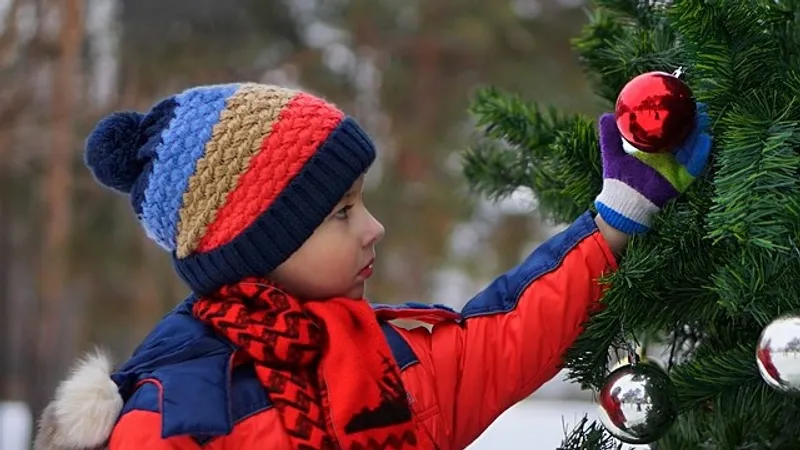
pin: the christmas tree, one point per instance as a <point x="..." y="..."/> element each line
<point x="722" y="262"/>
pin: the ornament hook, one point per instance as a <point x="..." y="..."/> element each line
<point x="678" y="72"/>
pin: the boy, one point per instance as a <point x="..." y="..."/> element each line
<point x="256" y="192"/>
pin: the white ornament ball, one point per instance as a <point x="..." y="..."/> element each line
<point x="778" y="354"/>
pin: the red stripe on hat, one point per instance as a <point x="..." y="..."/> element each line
<point x="304" y="125"/>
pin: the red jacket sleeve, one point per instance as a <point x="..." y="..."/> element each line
<point x="138" y="430"/>
<point x="512" y="336"/>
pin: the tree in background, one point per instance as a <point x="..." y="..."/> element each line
<point x="722" y="262"/>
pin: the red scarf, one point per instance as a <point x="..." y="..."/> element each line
<point x="326" y="366"/>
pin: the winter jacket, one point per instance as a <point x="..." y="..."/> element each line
<point x="184" y="387"/>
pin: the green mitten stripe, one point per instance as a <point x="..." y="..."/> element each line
<point x="665" y="164"/>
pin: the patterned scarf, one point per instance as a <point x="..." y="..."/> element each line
<point x="326" y="366"/>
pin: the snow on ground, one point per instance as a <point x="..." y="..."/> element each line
<point x="536" y="424"/>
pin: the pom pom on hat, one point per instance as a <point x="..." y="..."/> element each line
<point x="111" y="150"/>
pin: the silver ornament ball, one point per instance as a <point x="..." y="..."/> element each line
<point x="638" y="403"/>
<point x="778" y="354"/>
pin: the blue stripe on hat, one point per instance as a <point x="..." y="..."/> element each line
<point x="182" y="145"/>
<point x="153" y="126"/>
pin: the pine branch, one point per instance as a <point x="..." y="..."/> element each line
<point x="521" y="124"/>
<point x="758" y="190"/>
<point x="612" y="51"/>
<point x="641" y="12"/>
<point x="493" y="169"/>
<point x="556" y="156"/>
<point x="703" y="379"/>
<point x="786" y="29"/>
<point x="686" y="433"/>
<point x="587" y="359"/>
<point x="756" y="285"/>
<point x="733" y="54"/>
<point x="600" y="62"/>
<point x="575" y="167"/>
<point x="725" y="404"/>
<point x="589" y="436"/>
<point x="752" y="417"/>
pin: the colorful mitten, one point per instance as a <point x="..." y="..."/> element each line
<point x="636" y="186"/>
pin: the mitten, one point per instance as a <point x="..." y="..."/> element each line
<point x="637" y="185"/>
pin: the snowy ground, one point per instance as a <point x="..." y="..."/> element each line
<point x="542" y="421"/>
<point x="536" y="424"/>
<point x="16" y="426"/>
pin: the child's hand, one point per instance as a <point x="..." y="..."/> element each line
<point x="636" y="186"/>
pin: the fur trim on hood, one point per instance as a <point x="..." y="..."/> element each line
<point x="85" y="408"/>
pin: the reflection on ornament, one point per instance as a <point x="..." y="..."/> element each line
<point x="628" y="147"/>
<point x="638" y="403"/>
<point x="655" y="112"/>
<point x="778" y="354"/>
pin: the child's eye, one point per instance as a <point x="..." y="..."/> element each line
<point x="343" y="213"/>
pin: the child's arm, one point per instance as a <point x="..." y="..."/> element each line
<point x="616" y="240"/>
<point x="513" y="334"/>
<point x="139" y="430"/>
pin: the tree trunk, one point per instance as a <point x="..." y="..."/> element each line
<point x="147" y="302"/>
<point x="7" y="377"/>
<point x="419" y="160"/>
<point x="57" y="192"/>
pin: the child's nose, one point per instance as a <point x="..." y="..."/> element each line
<point x="375" y="231"/>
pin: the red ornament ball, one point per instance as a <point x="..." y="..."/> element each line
<point x="655" y="112"/>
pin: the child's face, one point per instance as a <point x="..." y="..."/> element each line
<point x="337" y="259"/>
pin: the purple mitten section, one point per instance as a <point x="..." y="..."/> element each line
<point x="628" y="169"/>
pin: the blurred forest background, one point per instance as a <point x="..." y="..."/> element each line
<point x="75" y="268"/>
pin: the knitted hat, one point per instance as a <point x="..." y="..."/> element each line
<point x="231" y="179"/>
